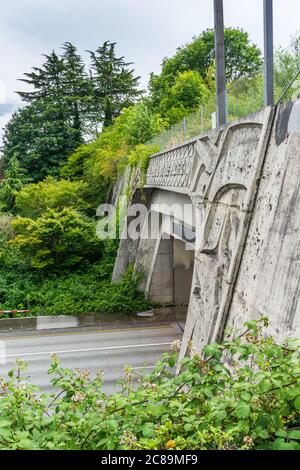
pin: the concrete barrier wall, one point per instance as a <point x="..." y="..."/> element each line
<point x="101" y="320"/>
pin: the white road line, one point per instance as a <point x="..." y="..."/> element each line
<point x="142" y="368"/>
<point x="110" y="348"/>
<point x="3" y="337"/>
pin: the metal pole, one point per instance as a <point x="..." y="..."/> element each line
<point x="220" y="62"/>
<point x="184" y="129"/>
<point x="269" y="52"/>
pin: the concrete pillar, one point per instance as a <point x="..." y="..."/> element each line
<point x="220" y="62"/>
<point x="269" y="52"/>
<point x="161" y="289"/>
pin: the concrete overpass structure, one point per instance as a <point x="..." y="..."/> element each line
<point x="221" y="229"/>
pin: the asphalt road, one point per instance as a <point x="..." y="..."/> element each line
<point x="109" y="350"/>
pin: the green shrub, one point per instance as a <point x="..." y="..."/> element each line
<point x="83" y="289"/>
<point x="139" y="156"/>
<point x="56" y="240"/>
<point x="102" y="160"/>
<point x="245" y="96"/>
<point x="187" y="94"/>
<point x="34" y="199"/>
<point x="89" y="292"/>
<point x="142" y="124"/>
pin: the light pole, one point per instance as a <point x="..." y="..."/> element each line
<point x="220" y="62"/>
<point x="269" y="52"/>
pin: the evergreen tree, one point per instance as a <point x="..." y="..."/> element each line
<point x="46" y="80"/>
<point x="77" y="90"/>
<point x="115" y="85"/>
<point x="44" y="132"/>
<point x="63" y="104"/>
<point x="63" y="82"/>
<point x="40" y="137"/>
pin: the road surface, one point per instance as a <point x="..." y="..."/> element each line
<point x="110" y="350"/>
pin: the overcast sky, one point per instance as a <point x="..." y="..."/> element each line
<point x="146" y="31"/>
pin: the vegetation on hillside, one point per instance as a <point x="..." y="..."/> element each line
<point x="64" y="149"/>
<point x="243" y="60"/>
<point x="66" y="104"/>
<point x="249" y="401"/>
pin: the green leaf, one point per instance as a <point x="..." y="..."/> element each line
<point x="5" y="432"/>
<point x="295" y="434"/>
<point x="207" y="392"/>
<point x="5" y="424"/>
<point x="263" y="421"/>
<point x="281" y="433"/>
<point x="279" y="444"/>
<point x="148" y="430"/>
<point x="246" y="396"/>
<point x="213" y="350"/>
<point x="262" y="433"/>
<point x="297" y="402"/>
<point x="172" y="362"/>
<point x="252" y="325"/>
<point x="156" y="410"/>
<point x="220" y="415"/>
<point x="188" y="427"/>
<point x="264" y="386"/>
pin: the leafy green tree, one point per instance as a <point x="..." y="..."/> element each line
<point x="108" y="152"/>
<point x="14" y="179"/>
<point x="188" y="90"/>
<point x="98" y="162"/>
<point x="56" y="240"/>
<point x="139" y="156"/>
<point x="243" y="60"/>
<point x="63" y="105"/>
<point x="115" y="86"/>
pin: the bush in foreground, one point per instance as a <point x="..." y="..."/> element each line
<point x="250" y="402"/>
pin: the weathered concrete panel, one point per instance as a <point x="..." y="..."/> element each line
<point x="56" y="321"/>
<point x="269" y="277"/>
<point x="183" y="262"/>
<point x="161" y="285"/>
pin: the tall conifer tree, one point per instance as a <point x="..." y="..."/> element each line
<point x="115" y="85"/>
